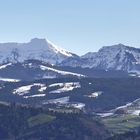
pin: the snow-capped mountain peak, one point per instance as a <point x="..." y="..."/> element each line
<point x="39" y="49"/>
<point x="116" y="57"/>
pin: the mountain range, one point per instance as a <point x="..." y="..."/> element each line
<point x="109" y="58"/>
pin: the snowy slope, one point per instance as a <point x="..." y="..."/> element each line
<point x="39" y="49"/>
<point x="65" y="87"/>
<point x="26" y="89"/>
<point x="33" y="69"/>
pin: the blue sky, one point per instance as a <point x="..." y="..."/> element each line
<point x="76" y="25"/>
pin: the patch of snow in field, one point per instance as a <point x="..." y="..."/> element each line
<point x="134" y="75"/>
<point x="63" y="100"/>
<point x="36" y="95"/>
<point x="136" y="112"/>
<point x="78" y="105"/>
<point x="4" y="66"/>
<point x="56" y="84"/>
<point x="68" y="84"/>
<point x="124" y="106"/>
<point x="43" y="88"/>
<point x="49" y="76"/>
<point x="9" y="80"/>
<point x="22" y="90"/>
<point x="25" y="89"/>
<point x="105" y="114"/>
<point x="65" y="87"/>
<point x="95" y="94"/>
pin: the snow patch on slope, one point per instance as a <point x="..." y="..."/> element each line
<point x="60" y="71"/>
<point x="94" y="94"/>
<point x="78" y="105"/>
<point x="9" y="80"/>
<point x="63" y="100"/>
<point x="5" y="65"/>
<point x="65" y="87"/>
<point x="26" y="89"/>
<point x="33" y="96"/>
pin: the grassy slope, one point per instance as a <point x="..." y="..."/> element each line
<point x="122" y="123"/>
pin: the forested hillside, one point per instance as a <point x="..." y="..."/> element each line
<point x="27" y="123"/>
